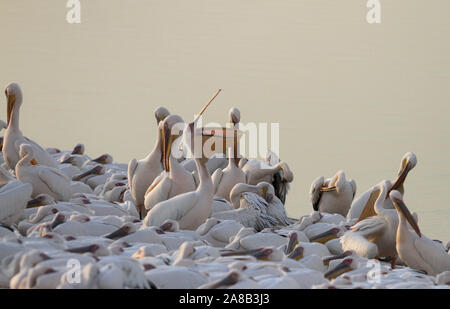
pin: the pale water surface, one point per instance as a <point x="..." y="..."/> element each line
<point x="348" y="95"/>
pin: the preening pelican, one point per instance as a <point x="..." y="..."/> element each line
<point x="414" y="248"/>
<point x="380" y="229"/>
<point x="44" y="179"/>
<point x="175" y="180"/>
<point x="142" y="173"/>
<point x="225" y="179"/>
<point x="334" y="195"/>
<point x="273" y="171"/>
<point x="13" y="137"/>
<point x="408" y="162"/>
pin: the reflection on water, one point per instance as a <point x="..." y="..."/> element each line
<point x="348" y="95"/>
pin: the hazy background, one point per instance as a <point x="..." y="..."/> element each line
<point x="348" y="95"/>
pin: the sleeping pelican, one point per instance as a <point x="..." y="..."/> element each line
<point x="334" y="195"/>
<point x="379" y="230"/>
<point x="408" y="162"/>
<point x="272" y="170"/>
<point x="44" y="179"/>
<point x="13" y="136"/>
<point x="175" y="180"/>
<point x="142" y="173"/>
<point x="414" y="248"/>
<point x="14" y="196"/>
<point x="225" y="179"/>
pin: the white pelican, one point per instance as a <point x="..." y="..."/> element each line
<point x="175" y="180"/>
<point x="272" y="170"/>
<point x="44" y="179"/>
<point x="142" y="173"/>
<point x="417" y="250"/>
<point x="408" y="162"/>
<point x="380" y="229"/>
<point x="333" y="195"/>
<point x="14" y="196"/>
<point x="225" y="179"/>
<point x="217" y="232"/>
<point x="13" y="137"/>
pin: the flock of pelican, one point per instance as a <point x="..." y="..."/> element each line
<point x="178" y="220"/>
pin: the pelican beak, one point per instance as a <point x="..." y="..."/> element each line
<point x="69" y="160"/>
<point x="90" y="248"/>
<point x="401" y="207"/>
<point x="230" y="279"/>
<point x="11" y="101"/>
<point x="297" y="254"/>
<point x="166" y="227"/>
<point x="326" y="236"/>
<point x="328" y="189"/>
<point x="93" y="171"/>
<point x="59" y="219"/>
<point x="101" y="159"/>
<point x="1" y="143"/>
<point x="293" y="241"/>
<point x="326" y="261"/>
<point x="167" y="139"/>
<point x="264" y="192"/>
<point x="406" y="167"/>
<point x="119" y="233"/>
<point x="77" y="150"/>
<point x="34" y="203"/>
<point x="343" y="267"/>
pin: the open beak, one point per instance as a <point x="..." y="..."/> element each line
<point x="406" y="167"/>
<point x="401" y="207"/>
<point x="297" y="254"/>
<point x="34" y="203"/>
<point x="11" y="101"/>
<point x="293" y="241"/>
<point x="325" y="236"/>
<point x="343" y="267"/>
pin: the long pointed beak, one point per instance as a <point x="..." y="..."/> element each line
<point x="11" y="100"/>
<point x="343" y="267"/>
<point x="328" y="189"/>
<point x="167" y="146"/>
<point x="92" y="171"/>
<point x="230" y="279"/>
<point x="259" y="254"/>
<point x="293" y="241"/>
<point x="69" y="160"/>
<point x="297" y="254"/>
<point x="59" y="219"/>
<point x="401" y="207"/>
<point x="90" y="248"/>
<point x="34" y="203"/>
<point x="325" y="236"/>
<point x="401" y="178"/>
<point x="119" y="233"/>
<point x="326" y="261"/>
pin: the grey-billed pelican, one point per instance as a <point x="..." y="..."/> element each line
<point x="379" y="230"/>
<point x="13" y="136"/>
<point x="175" y="179"/>
<point x="333" y="195"/>
<point x="415" y="249"/>
<point x="408" y="162"/>
<point x="225" y="179"/>
<point x="272" y="170"/>
<point x="44" y="179"/>
<point x="142" y="173"/>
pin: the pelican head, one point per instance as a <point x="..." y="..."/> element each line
<point x="234" y="115"/>
<point x="13" y="97"/>
<point x="170" y="226"/>
<point x="78" y="149"/>
<point x="397" y="200"/>
<point x="172" y="128"/>
<point x="409" y="161"/>
<point x="104" y="159"/>
<point x="41" y="200"/>
<point x="266" y="191"/>
<point x="161" y="113"/>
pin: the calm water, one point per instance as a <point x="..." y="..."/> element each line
<point x="348" y="95"/>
